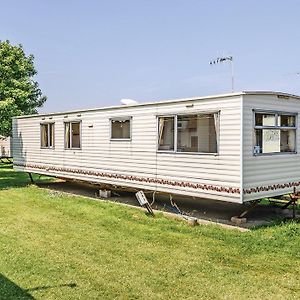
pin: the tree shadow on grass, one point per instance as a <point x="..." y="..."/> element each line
<point x="279" y="222"/>
<point x="11" y="291"/>
<point x="9" y="178"/>
<point x="12" y="179"/>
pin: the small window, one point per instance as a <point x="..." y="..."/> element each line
<point x="47" y="135"/>
<point x="120" y="129"/>
<point x="166" y="133"/>
<point x="262" y="119"/>
<point x="287" y="140"/>
<point x="286" y="121"/>
<point x="73" y="135"/>
<point x="275" y="133"/>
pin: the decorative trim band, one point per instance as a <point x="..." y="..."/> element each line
<point x="272" y="187"/>
<point x="197" y="186"/>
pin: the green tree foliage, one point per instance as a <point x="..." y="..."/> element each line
<point x="19" y="93"/>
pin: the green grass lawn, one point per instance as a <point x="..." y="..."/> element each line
<point x="56" y="246"/>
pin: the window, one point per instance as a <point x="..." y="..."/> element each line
<point x="120" y="129"/>
<point x="274" y="132"/>
<point x="197" y="133"/>
<point x="47" y="135"/>
<point x="73" y="135"/>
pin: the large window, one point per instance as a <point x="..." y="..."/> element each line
<point x="274" y="132"/>
<point x="120" y="129"/>
<point x="47" y="135"/>
<point x="73" y="135"/>
<point x="197" y="133"/>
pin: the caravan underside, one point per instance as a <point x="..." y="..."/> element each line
<point x="139" y="183"/>
<point x="134" y="183"/>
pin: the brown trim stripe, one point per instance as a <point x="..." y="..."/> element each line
<point x="199" y="186"/>
<point x="271" y="187"/>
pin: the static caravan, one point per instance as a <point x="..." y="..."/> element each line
<point x="235" y="147"/>
<point x="5" y="146"/>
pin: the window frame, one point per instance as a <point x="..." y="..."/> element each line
<point x="70" y="136"/>
<point x="218" y="112"/>
<point x="130" y="129"/>
<point x="276" y="127"/>
<point x="48" y="127"/>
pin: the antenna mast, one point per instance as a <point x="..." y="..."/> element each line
<point x="230" y="60"/>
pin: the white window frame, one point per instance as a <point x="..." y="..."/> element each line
<point x="278" y="127"/>
<point x="120" y="119"/>
<point x="70" y="134"/>
<point x="176" y="135"/>
<point x="49" y="139"/>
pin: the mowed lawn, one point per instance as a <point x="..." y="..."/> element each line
<point x="56" y="246"/>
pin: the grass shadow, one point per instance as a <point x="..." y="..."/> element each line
<point x="278" y="222"/>
<point x="11" y="291"/>
<point x="46" y="287"/>
<point x="9" y="178"/>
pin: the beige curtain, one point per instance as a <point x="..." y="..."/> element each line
<point x="44" y="135"/>
<point x="160" y="130"/>
<point x="51" y="132"/>
<point x="217" y="127"/>
<point x="67" y="135"/>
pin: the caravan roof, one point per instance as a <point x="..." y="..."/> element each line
<point x="170" y="101"/>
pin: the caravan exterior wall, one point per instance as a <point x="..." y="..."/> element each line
<point x="270" y="174"/>
<point x="135" y="160"/>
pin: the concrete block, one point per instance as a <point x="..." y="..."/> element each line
<point x="192" y="221"/>
<point x="238" y="221"/>
<point x="104" y="193"/>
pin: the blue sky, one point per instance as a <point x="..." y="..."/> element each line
<point x="94" y="53"/>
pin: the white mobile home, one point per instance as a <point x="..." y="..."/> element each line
<point x="5" y="146"/>
<point x="236" y="147"/>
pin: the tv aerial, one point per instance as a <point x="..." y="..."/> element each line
<point x="229" y="59"/>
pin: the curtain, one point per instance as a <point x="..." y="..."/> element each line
<point x="160" y="130"/>
<point x="67" y="135"/>
<point x="217" y="128"/>
<point x="51" y="132"/>
<point x="44" y="135"/>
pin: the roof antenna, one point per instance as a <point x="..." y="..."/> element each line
<point x="291" y="74"/>
<point x="230" y="60"/>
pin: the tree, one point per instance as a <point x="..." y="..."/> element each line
<point x="19" y="93"/>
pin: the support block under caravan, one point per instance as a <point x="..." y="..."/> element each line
<point x="31" y="178"/>
<point x="241" y="218"/>
<point x="104" y="193"/>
